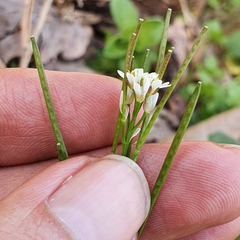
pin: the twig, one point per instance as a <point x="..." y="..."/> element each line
<point x="190" y="20"/>
<point x="26" y="24"/>
<point x="42" y="19"/>
<point x="2" y="64"/>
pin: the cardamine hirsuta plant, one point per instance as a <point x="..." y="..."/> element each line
<point x="137" y="104"/>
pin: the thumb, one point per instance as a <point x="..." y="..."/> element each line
<point x="81" y="198"/>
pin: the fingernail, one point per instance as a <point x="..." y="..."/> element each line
<point x="233" y="146"/>
<point x="108" y="199"/>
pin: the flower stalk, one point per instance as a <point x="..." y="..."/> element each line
<point x="141" y="89"/>
<point x="61" y="149"/>
<point x="163" y="42"/>
<point x="121" y="120"/>
<point x="168" y="93"/>
<point x="137" y="106"/>
<point x="173" y="150"/>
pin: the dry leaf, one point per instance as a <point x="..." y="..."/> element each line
<point x="58" y="38"/>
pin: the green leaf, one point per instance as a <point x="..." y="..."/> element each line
<point x="212" y="68"/>
<point x="105" y="65"/>
<point x="115" y="47"/>
<point x="125" y="15"/>
<point x="232" y="93"/>
<point x="210" y="62"/>
<point x="213" y="3"/>
<point x="219" y="137"/>
<point x="232" y="45"/>
<point x="216" y="33"/>
<point x="150" y="34"/>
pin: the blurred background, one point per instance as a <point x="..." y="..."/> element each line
<point x="92" y="36"/>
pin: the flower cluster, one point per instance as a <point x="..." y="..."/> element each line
<point x="143" y="87"/>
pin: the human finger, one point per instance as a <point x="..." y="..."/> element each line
<point x="82" y="198"/>
<point x="227" y="231"/>
<point x="200" y="192"/>
<point x="85" y="105"/>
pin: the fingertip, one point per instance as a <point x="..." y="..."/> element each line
<point x="230" y="146"/>
<point x="86" y="106"/>
<point x="108" y="199"/>
<point x="94" y="198"/>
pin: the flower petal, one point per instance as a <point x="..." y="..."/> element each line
<point x="138" y="74"/>
<point x="150" y="102"/>
<point x="120" y="73"/>
<point x="145" y="86"/>
<point x="166" y="84"/>
<point x="138" y="91"/>
<point x="156" y="85"/>
<point x="130" y="79"/>
<point x="130" y="96"/>
<point x="127" y="112"/>
<point x="153" y="76"/>
<point x="121" y="101"/>
<point x="135" y="133"/>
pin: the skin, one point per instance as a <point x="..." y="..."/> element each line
<point x="200" y="198"/>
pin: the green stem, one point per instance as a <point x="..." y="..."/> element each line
<point x="61" y="149"/>
<point x="130" y="129"/>
<point x="131" y="46"/>
<point x="128" y="64"/>
<point x="173" y="150"/>
<point x="145" y="58"/>
<point x="164" y="65"/>
<point x="169" y="92"/>
<point x="163" y="44"/>
<point x="146" y="117"/>
<point x="132" y="64"/>
<point x="117" y="132"/>
<point x="141" y="120"/>
<point x="121" y="121"/>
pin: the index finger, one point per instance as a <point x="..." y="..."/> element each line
<point x="86" y="106"/>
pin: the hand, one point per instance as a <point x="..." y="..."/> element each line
<point x="104" y="199"/>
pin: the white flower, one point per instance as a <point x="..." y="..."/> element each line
<point x="130" y="80"/>
<point x="127" y="112"/>
<point x="153" y="76"/>
<point x="142" y="83"/>
<point x="135" y="133"/>
<point x="130" y="96"/>
<point x="156" y="85"/>
<point x="141" y="89"/>
<point x="150" y="102"/>
<point x="134" y="76"/>
<point x="165" y="85"/>
<point x="137" y="73"/>
<point x="121" y="74"/>
<point x="121" y="101"/>
<point x="129" y="99"/>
